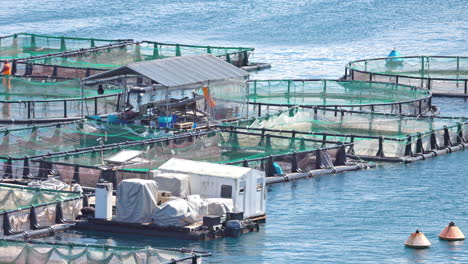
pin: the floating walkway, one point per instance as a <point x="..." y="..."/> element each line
<point x="442" y="75"/>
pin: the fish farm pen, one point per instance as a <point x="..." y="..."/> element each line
<point x="12" y="251"/>
<point x="24" y="45"/>
<point x="85" y="62"/>
<point x="350" y="95"/>
<point x="381" y="137"/>
<point x="21" y="144"/>
<point x="443" y="75"/>
<point x="25" y="210"/>
<point x="239" y="148"/>
<point x="37" y="99"/>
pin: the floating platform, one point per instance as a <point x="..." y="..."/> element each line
<point x="193" y="232"/>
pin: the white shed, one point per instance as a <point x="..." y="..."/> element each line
<point x="245" y="186"/>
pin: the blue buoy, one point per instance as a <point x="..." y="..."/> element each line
<point x="393" y="56"/>
<point x="278" y="169"/>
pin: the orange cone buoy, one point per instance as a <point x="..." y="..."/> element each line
<point x="451" y="233"/>
<point x="417" y="240"/>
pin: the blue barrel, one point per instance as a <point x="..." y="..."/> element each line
<point x="233" y="228"/>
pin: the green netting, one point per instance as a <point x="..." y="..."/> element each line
<point x="14" y="197"/>
<point x="217" y="147"/>
<point x="441" y="75"/>
<point x="123" y="54"/>
<point x="362" y="128"/>
<point x="420" y="67"/>
<point x="14" y="89"/>
<point x="331" y="93"/>
<point x="23" y="45"/>
<point x="40" y="140"/>
<point x="21" y="252"/>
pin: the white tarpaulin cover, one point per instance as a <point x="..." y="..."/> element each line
<point x="176" y="183"/>
<point x="219" y="206"/>
<point x="136" y="200"/>
<point x="176" y="212"/>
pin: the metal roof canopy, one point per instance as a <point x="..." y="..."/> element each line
<point x="177" y="71"/>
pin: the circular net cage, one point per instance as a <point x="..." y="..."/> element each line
<point x="443" y="75"/>
<point x="26" y="98"/>
<point x="350" y="95"/>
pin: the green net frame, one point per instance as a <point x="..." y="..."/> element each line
<point x="350" y="95"/>
<point x="24" y="45"/>
<point x="26" y="99"/>
<point x="443" y="75"/>
<point x="373" y="134"/>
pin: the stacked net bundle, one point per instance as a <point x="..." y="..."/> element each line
<point x="377" y="97"/>
<point x="365" y="129"/>
<point x="21" y="252"/>
<point x="24" y="45"/>
<point x="43" y="98"/>
<point x="441" y="75"/>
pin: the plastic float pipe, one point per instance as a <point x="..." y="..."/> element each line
<point x="451" y="233"/>
<point x="42" y="232"/>
<point x="417" y="240"/>
<point x="313" y="173"/>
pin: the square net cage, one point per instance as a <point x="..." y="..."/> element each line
<point x="373" y="134"/>
<point x="37" y="98"/>
<point x="351" y="95"/>
<point x="24" y="45"/>
<point x="85" y="62"/>
<point x="43" y="252"/>
<point x="21" y="144"/>
<point x="225" y="147"/>
<point x="25" y="208"/>
<point x="444" y="75"/>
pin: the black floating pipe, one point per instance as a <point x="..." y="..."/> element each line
<point x="351" y="149"/>
<point x="341" y="158"/>
<point x="460" y="138"/>
<point x="419" y="144"/>
<point x="33" y="225"/>
<point x="408" y="151"/>
<point x="318" y="159"/>
<point x="76" y="174"/>
<point x="294" y="163"/>
<point x="433" y="140"/>
<point x="26" y="169"/>
<point x="380" y="152"/>
<point x="7" y="225"/>
<point x="447" y="142"/>
<point x="269" y="167"/>
<point x="59" y="214"/>
<point x="9" y="169"/>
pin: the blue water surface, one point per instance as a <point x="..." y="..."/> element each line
<point x="355" y="217"/>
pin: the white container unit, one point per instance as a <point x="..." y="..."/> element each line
<point x="103" y="201"/>
<point x="245" y="186"/>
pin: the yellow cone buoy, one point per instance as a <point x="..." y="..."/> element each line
<point x="451" y="233"/>
<point x="417" y="240"/>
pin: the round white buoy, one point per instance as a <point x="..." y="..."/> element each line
<point x="451" y="233"/>
<point x="417" y="240"/>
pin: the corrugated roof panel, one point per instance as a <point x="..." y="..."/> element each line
<point x="179" y="71"/>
